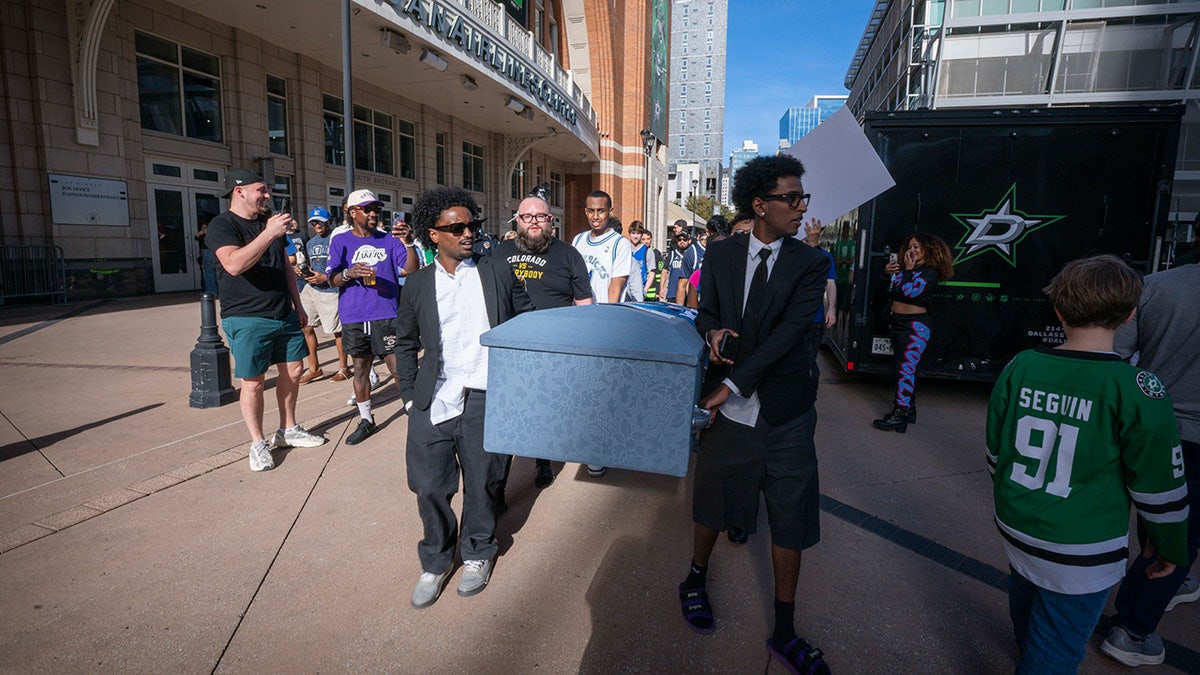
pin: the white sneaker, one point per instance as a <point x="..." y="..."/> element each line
<point x="474" y="577"/>
<point x="299" y="437"/>
<point x="1127" y="649"/>
<point x="260" y="456"/>
<point x="353" y="400"/>
<point x="428" y="588"/>
<point x="374" y="377"/>
<point x="1189" y="591"/>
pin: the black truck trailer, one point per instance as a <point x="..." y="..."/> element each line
<point x="1016" y="193"/>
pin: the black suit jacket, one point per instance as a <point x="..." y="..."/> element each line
<point x="418" y="322"/>
<point x="771" y="357"/>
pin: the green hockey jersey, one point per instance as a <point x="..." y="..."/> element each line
<point x="1073" y="438"/>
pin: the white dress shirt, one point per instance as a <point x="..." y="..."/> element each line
<point x="462" y="316"/>
<point x="738" y="408"/>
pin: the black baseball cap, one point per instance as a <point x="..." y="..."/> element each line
<point x="240" y="177"/>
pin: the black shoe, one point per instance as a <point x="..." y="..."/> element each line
<point x="896" y="420"/>
<point x="545" y="475"/>
<point x="366" y="427"/>
<point x="912" y="413"/>
<point x="737" y="535"/>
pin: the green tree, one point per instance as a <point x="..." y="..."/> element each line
<point x="703" y="206"/>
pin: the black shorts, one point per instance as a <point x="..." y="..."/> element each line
<point x="369" y="338"/>
<point x="737" y="463"/>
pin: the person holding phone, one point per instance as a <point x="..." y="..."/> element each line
<point x="926" y="262"/>
<point x="261" y="313"/>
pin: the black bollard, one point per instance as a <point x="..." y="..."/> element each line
<point x="212" y="384"/>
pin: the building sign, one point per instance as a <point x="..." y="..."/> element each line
<point x="658" y="69"/>
<point x="458" y="28"/>
<point x="79" y="200"/>
<point x="518" y="10"/>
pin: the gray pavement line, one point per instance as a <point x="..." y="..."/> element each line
<point x="148" y="450"/>
<point x="35" y="446"/>
<point x="282" y="543"/>
<point x="12" y="360"/>
<point x="1178" y="656"/>
<point x="50" y="322"/>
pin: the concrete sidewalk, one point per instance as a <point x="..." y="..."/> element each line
<point x="134" y="538"/>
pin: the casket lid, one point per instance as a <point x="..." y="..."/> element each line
<point x="636" y="331"/>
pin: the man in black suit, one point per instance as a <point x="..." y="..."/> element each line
<point x="758" y="293"/>
<point x="444" y="309"/>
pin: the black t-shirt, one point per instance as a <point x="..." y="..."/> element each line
<point x="556" y="277"/>
<point x="259" y="291"/>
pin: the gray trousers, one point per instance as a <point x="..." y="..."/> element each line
<point x="435" y="455"/>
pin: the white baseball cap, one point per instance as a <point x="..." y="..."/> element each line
<point x="362" y="198"/>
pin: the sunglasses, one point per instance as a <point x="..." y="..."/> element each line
<point x="457" y="229"/>
<point x="370" y="208"/>
<point x="793" y="199"/>
<point x="682" y="237"/>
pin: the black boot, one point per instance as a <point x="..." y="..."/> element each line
<point x="896" y="420"/>
<point x="912" y="413"/>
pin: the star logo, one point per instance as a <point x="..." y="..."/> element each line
<point x="999" y="229"/>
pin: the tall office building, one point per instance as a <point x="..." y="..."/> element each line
<point x="797" y="122"/>
<point x="971" y="54"/>
<point x="739" y="157"/>
<point x="698" y="30"/>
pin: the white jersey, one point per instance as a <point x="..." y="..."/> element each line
<point x="606" y="257"/>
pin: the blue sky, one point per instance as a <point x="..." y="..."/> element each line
<point x="781" y="53"/>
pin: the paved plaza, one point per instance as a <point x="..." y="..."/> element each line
<point x="134" y="538"/>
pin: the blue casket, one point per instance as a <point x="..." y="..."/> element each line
<point x="609" y="384"/>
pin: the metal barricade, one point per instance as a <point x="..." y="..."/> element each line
<point x="33" y="270"/>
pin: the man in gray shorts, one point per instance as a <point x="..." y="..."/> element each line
<point x="260" y="310"/>
<point x="760" y="293"/>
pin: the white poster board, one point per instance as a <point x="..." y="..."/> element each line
<point x="841" y="169"/>
<point x="79" y="200"/>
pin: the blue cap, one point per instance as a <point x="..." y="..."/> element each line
<point x="318" y="213"/>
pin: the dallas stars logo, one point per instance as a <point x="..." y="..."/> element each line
<point x="999" y="229"/>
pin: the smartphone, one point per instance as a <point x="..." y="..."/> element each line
<point x="727" y="347"/>
<point x="285" y="206"/>
<point x="893" y="258"/>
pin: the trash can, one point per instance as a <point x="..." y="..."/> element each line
<point x="605" y="384"/>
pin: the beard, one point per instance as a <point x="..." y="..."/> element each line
<point x="527" y="243"/>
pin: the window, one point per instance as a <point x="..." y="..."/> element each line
<point x="277" y="115"/>
<point x="472" y="160"/>
<point x="556" y="188"/>
<point x="335" y="152"/>
<point x="281" y="188"/>
<point x="179" y="89"/>
<point x="373" y="141"/>
<point x="408" y="148"/>
<point x="518" y="180"/>
<point x="439" y="157"/>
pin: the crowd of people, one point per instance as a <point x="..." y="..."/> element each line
<point x="1074" y="434"/>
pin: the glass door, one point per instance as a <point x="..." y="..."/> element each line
<point x="181" y="195"/>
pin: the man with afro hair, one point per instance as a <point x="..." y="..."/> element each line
<point x="444" y="309"/>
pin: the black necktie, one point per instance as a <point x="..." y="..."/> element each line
<point x="758" y="288"/>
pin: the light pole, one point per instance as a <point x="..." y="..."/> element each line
<point x="695" y="202"/>
<point x="648" y="141"/>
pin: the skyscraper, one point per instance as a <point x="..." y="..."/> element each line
<point x="739" y="157"/>
<point x="797" y="122"/>
<point x="697" y="120"/>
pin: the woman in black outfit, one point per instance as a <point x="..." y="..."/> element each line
<point x="925" y="261"/>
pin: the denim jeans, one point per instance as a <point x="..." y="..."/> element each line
<point x="1141" y="601"/>
<point x="1051" y="628"/>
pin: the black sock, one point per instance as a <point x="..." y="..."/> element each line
<point x="696" y="576"/>
<point x="785" y="628"/>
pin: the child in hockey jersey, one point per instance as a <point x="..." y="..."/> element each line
<point x="1074" y="435"/>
